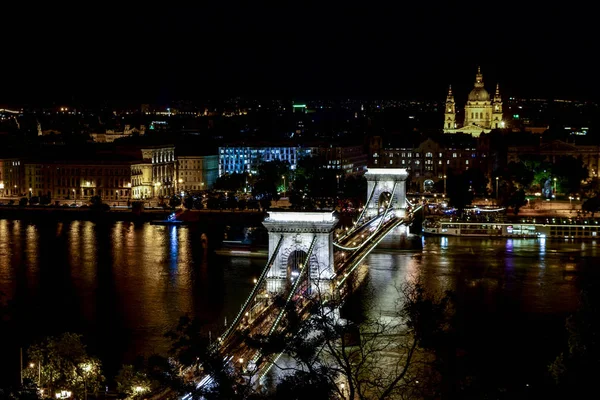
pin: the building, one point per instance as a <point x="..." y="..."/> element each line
<point x="11" y="177"/>
<point x="350" y="159"/>
<point x="111" y="135"/>
<point x="246" y="158"/>
<point x="430" y="160"/>
<point x="482" y="113"/>
<point x="197" y="172"/>
<point x="79" y="179"/>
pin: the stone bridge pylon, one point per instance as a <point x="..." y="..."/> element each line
<point x="384" y="185"/>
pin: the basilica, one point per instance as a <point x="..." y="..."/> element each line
<point x="482" y="113"/>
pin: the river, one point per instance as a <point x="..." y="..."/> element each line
<point x="122" y="285"/>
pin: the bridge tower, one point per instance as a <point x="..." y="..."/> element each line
<point x="306" y="237"/>
<point x="384" y="184"/>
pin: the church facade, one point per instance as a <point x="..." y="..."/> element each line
<point x="482" y="112"/>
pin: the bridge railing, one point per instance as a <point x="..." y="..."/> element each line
<point x="253" y="293"/>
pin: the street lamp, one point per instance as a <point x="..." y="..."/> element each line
<point x="444" y="184"/>
<point x="283" y="177"/>
<point x="338" y="181"/>
<point x="497" y="188"/>
<point x="554" y="186"/>
<point x="570" y="198"/>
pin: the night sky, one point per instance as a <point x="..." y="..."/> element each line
<point x="149" y="54"/>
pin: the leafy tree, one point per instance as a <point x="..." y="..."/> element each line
<point x="231" y="182"/>
<point x="575" y="370"/>
<point x="460" y="192"/>
<point x="377" y="359"/>
<point x="133" y="383"/>
<point x="591" y="205"/>
<point x="570" y="172"/>
<point x="188" y="202"/>
<point x="192" y="354"/>
<point x="98" y="205"/>
<point x="355" y="188"/>
<point x="65" y="365"/>
<point x="174" y="201"/>
<point x="213" y="203"/>
<point x="198" y="204"/>
<point x="517" y="200"/>
<point x="231" y="202"/>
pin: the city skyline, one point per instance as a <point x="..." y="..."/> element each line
<point x="146" y="55"/>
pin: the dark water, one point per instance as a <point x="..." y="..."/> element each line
<point x="123" y="285"/>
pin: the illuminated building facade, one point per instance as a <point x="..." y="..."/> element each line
<point x="246" y="159"/>
<point x="429" y="161"/>
<point x="482" y="112"/>
<point x="197" y="172"/>
<point x="11" y="177"/>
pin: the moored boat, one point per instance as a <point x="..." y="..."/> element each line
<point x="559" y="228"/>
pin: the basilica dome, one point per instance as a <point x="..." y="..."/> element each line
<point x="479" y="94"/>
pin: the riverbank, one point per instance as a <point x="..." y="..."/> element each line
<point x="253" y="218"/>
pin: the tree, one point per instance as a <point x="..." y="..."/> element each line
<point x="194" y="357"/>
<point x="174" y="201"/>
<point x="517" y="200"/>
<point x="575" y="369"/>
<point x="570" y="172"/>
<point x="460" y="192"/>
<point x="98" y="205"/>
<point x="376" y="359"/>
<point x="65" y="365"/>
<point x="231" y="182"/>
<point x="188" y="202"/>
<point x="132" y="383"/>
<point x="591" y="205"/>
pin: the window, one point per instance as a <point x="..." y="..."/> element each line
<point x="440" y="162"/>
<point x="467" y="162"/>
<point x="428" y="154"/>
<point x="391" y="162"/>
<point x="453" y="155"/>
<point x="472" y="116"/>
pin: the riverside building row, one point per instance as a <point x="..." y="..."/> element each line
<point x="129" y="173"/>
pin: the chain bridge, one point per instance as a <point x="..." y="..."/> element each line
<point x="306" y="262"/>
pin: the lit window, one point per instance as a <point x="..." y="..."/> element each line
<point x="453" y="155"/>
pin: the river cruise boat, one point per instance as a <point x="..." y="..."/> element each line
<point x="559" y="228"/>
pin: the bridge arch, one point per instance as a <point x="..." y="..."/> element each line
<point x="306" y="241"/>
<point x="386" y="180"/>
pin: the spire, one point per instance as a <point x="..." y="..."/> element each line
<point x="478" y="78"/>
<point x="497" y="97"/>
<point x="450" y="97"/>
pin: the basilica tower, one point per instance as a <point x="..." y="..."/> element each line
<point x="497" y="122"/>
<point x="450" y="113"/>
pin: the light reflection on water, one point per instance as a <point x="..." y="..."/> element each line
<point x="123" y="285"/>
